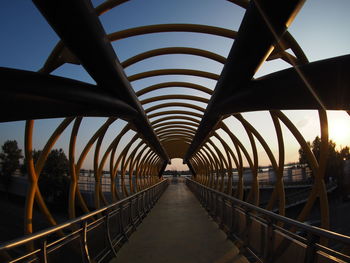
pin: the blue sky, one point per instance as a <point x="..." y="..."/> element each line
<point x="321" y="29"/>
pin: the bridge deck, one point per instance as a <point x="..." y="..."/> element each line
<point x="178" y="229"/>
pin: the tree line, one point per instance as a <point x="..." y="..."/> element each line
<point x="53" y="180"/>
<point x="335" y="161"/>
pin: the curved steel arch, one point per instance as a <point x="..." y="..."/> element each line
<point x="162" y="72"/>
<point x="174" y="104"/>
<point x="162" y="28"/>
<point x="176" y="126"/>
<point x="171" y="51"/>
<point x="172" y="138"/>
<point x="174" y="97"/>
<point x="176" y="132"/>
<point x="175" y="117"/>
<point x="166" y="124"/>
<point x="173" y="112"/>
<point x="174" y="84"/>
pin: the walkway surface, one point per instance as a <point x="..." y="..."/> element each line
<point x="178" y="229"/>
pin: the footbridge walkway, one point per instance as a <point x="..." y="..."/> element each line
<point x="178" y="229"/>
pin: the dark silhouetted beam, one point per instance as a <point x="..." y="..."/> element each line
<point x="190" y="167"/>
<point x="81" y="31"/>
<point x="32" y="95"/>
<point x="162" y="169"/>
<point x="253" y="45"/>
<point x="286" y="90"/>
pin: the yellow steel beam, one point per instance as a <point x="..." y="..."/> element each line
<point x="174" y="97"/>
<point x="172" y="112"/>
<point x="163" y="72"/>
<point x="174" y="104"/>
<point x="171" y="51"/>
<point x="164" y="85"/>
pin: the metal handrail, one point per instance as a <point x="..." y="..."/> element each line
<point x="269" y="217"/>
<point x="289" y="221"/>
<point x="82" y="220"/>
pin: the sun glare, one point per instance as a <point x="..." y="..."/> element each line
<point x="339" y="128"/>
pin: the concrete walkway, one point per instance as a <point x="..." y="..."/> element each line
<point x="178" y="229"/>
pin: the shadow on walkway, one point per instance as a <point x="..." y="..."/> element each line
<point x="178" y="229"/>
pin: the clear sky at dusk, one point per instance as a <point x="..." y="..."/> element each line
<point x="321" y="28"/>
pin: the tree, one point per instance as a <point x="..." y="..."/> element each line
<point x="54" y="180"/>
<point x="316" y="147"/>
<point x="302" y="155"/>
<point x="345" y="153"/>
<point x="9" y="157"/>
<point x="335" y="159"/>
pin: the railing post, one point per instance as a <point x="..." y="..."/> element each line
<point x="247" y="228"/>
<point x="216" y="206"/>
<point x="84" y="242"/>
<point x="154" y="194"/>
<point x="121" y="221"/>
<point x="138" y="207"/>
<point x="131" y="214"/>
<point x="205" y="198"/>
<point x="210" y="201"/>
<point x="269" y="239"/>
<point x="233" y="221"/>
<point x="222" y="223"/>
<point x="43" y="252"/>
<point x="108" y="233"/>
<point x="148" y="201"/>
<point x="143" y="204"/>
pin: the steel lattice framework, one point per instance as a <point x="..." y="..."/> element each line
<point x="162" y="133"/>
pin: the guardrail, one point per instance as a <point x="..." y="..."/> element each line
<point x="94" y="237"/>
<point x="269" y="237"/>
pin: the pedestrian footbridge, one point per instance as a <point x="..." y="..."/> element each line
<point x="142" y="113"/>
<point x="180" y="222"/>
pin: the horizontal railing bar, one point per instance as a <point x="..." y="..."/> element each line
<point x="332" y="252"/>
<point x="67" y="238"/>
<point x="312" y="229"/>
<point x="25" y="256"/>
<point x="53" y="229"/>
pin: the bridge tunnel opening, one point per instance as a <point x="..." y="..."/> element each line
<point x="177" y="167"/>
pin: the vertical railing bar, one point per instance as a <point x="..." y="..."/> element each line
<point x="109" y="233"/>
<point x="145" y="209"/>
<point x="84" y="240"/>
<point x="248" y="225"/>
<point x="121" y="221"/>
<point x="216" y="213"/>
<point x="269" y="239"/>
<point x="223" y="212"/>
<point x="149" y="200"/>
<point x="138" y="208"/>
<point x="143" y="197"/>
<point x="131" y="215"/>
<point x="233" y="221"/>
<point x="221" y="215"/>
<point x="43" y="251"/>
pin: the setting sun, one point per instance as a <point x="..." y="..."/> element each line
<point x="339" y="128"/>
